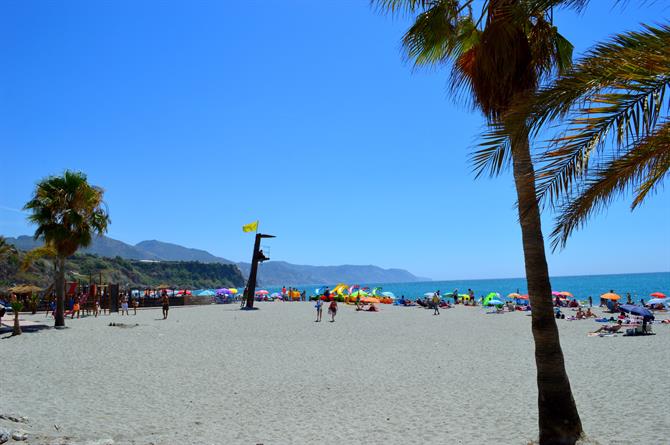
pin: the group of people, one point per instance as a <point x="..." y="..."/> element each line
<point x="332" y="310"/>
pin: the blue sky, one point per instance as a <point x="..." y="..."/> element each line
<point x="198" y="117"/>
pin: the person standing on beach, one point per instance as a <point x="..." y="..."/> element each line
<point x="124" y="304"/>
<point x="332" y="310"/>
<point x="135" y="304"/>
<point x="2" y="313"/>
<point x="590" y="301"/>
<point x="166" y="305"/>
<point x="436" y="303"/>
<point x="319" y="309"/>
<point x="76" y="308"/>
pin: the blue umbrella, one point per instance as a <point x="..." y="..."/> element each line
<point x="494" y="302"/>
<point x="637" y="310"/>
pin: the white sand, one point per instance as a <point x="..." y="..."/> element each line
<point x="217" y="375"/>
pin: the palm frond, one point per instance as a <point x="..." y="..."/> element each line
<point x="641" y="169"/>
<point x="616" y="101"/>
<point x="45" y="251"/>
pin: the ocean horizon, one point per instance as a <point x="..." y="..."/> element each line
<point x="639" y="285"/>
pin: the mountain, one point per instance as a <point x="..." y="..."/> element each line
<point x="272" y="273"/>
<point x="279" y="273"/>
<point x="175" y="252"/>
<point x="101" y="246"/>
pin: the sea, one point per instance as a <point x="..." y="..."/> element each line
<point x="638" y="285"/>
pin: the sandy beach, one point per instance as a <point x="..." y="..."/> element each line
<point x="218" y="375"/>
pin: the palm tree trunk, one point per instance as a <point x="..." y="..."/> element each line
<point x="60" y="291"/>
<point x="558" y="417"/>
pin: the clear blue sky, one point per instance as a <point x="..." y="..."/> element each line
<point x="198" y="117"/>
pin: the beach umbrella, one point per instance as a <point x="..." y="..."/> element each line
<point x="376" y="290"/>
<point x="566" y="294"/>
<point x="555" y="293"/>
<point x="163" y="286"/>
<point x="207" y="293"/>
<point x="388" y="294"/>
<point x="233" y="290"/>
<point x="24" y="289"/>
<point x="493" y="295"/>
<point x="276" y="295"/>
<point x="636" y="310"/>
<point x="658" y="295"/>
<point x="658" y="301"/>
<point x="523" y="297"/>
<point x="494" y="302"/>
<point x="610" y="296"/>
<point x="359" y="293"/>
<point x="514" y="295"/>
<point x="262" y="292"/>
<point x="464" y="296"/>
<point x="223" y="291"/>
<point x="184" y="292"/>
<point x="429" y="294"/>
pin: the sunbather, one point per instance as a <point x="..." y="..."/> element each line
<point x="610" y="329"/>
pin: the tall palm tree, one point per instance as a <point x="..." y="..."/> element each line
<point x="499" y="57"/>
<point x="68" y="211"/>
<point x="614" y="108"/>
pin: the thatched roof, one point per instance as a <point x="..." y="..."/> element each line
<point x="24" y="289"/>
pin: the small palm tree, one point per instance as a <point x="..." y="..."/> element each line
<point x="614" y="103"/>
<point x="6" y="249"/>
<point x="17" y="306"/>
<point x="499" y="57"/>
<point x="68" y="212"/>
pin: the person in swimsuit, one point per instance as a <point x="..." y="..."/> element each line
<point x="332" y="310"/>
<point x="76" y="307"/>
<point x="135" y="305"/>
<point x="319" y="309"/>
<point x="124" y="304"/>
<point x="166" y="305"/>
<point x="610" y="329"/>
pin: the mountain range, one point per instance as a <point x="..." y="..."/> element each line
<point x="271" y="273"/>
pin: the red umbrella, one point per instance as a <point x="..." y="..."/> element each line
<point x="658" y="295"/>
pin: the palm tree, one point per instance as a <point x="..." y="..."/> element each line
<point x="17" y="306"/>
<point x="499" y="57"/>
<point x="614" y="105"/>
<point x="6" y="249"/>
<point x="68" y="211"/>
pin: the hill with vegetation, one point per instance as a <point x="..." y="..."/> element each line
<point x="133" y="273"/>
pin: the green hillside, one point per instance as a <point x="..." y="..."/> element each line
<point x="180" y="274"/>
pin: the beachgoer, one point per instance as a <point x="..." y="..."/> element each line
<point x="436" y="303"/>
<point x="326" y="294"/>
<point x="135" y="305"/>
<point x="124" y="304"/>
<point x="580" y="314"/>
<point x="2" y="313"/>
<point x="332" y="310"/>
<point x="76" y="307"/>
<point x="454" y="295"/>
<point x="166" y="305"/>
<point x="590" y="301"/>
<point x="607" y="328"/>
<point x="96" y="307"/>
<point x="628" y="299"/>
<point x="471" y="294"/>
<point x="319" y="309"/>
<point x="589" y="314"/>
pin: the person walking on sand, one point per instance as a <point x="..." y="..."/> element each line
<point x="135" y="304"/>
<point x="166" y="305"/>
<point x="96" y="307"/>
<point x="319" y="310"/>
<point x="436" y="303"/>
<point x="332" y="310"/>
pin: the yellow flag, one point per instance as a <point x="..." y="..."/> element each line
<point x="253" y="227"/>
